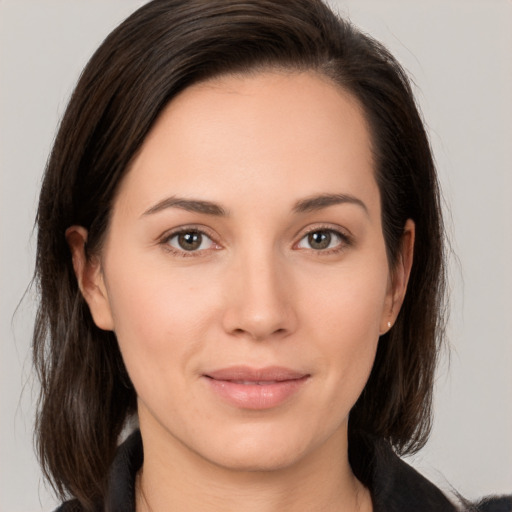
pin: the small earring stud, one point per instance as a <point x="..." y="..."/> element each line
<point x="389" y="325"/>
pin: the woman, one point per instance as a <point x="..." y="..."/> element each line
<point x="239" y="197"/>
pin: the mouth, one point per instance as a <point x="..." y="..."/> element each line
<point x="256" y="388"/>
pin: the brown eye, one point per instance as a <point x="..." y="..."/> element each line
<point x="323" y="239"/>
<point x="190" y="241"/>
<point x="319" y="239"/>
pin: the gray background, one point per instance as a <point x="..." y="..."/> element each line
<point x="458" y="53"/>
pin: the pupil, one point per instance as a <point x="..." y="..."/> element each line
<point x="319" y="239"/>
<point x="190" y="241"/>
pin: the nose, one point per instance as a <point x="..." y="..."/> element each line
<point x="259" y="299"/>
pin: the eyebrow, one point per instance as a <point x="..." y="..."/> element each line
<point x="191" y="205"/>
<point x="320" y="201"/>
<point x="308" y="204"/>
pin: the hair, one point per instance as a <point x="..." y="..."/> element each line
<point x="164" y="47"/>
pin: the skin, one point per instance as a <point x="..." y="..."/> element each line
<point x="256" y="292"/>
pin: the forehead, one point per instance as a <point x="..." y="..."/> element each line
<point x="274" y="133"/>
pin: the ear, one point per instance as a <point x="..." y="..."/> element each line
<point x="399" y="277"/>
<point x="90" y="279"/>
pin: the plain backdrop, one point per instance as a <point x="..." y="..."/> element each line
<point x="458" y="55"/>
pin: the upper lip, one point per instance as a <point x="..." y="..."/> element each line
<point x="250" y="374"/>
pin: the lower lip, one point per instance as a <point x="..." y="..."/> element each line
<point x="256" y="396"/>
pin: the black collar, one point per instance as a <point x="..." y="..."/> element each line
<point x="394" y="485"/>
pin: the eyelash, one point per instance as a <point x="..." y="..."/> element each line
<point x="345" y="241"/>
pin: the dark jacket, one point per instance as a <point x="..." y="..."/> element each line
<point x="394" y="485"/>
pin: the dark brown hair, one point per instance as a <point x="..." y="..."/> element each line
<point x="164" y="47"/>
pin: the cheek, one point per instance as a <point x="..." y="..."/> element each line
<point x="345" y="311"/>
<point x="160" y="318"/>
<point x="350" y="300"/>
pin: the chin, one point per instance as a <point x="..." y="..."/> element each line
<point x="262" y="451"/>
<point x="257" y="459"/>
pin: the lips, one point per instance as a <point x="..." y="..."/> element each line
<point x="255" y="388"/>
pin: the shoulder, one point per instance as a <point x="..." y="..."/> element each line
<point x="399" y="487"/>
<point x="495" y="504"/>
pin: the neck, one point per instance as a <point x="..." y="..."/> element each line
<point x="173" y="478"/>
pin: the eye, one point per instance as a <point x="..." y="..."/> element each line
<point x="190" y="240"/>
<point x="323" y="239"/>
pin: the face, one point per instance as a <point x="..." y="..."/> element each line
<point x="244" y="271"/>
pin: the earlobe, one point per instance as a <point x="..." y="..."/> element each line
<point x="400" y="276"/>
<point x="90" y="278"/>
